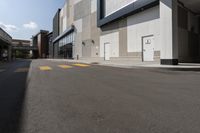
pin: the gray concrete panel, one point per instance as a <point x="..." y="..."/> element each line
<point x="82" y="9"/>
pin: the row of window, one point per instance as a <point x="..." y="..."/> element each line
<point x="66" y="40"/>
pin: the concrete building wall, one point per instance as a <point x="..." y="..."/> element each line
<point x="113" y="40"/>
<point x="78" y="39"/>
<point x="82" y="9"/>
<point x="56" y="50"/>
<point x="188" y="36"/>
<point x="193" y="23"/>
<point x="93" y="6"/>
<point x="141" y="25"/>
<point x="112" y="6"/>
<point x="56" y="32"/>
<point x="5" y="45"/>
<point x="50" y="45"/>
<point x="41" y="41"/>
<point x="95" y="34"/>
<point x="63" y="18"/>
<point x="119" y="27"/>
<point x="80" y="12"/>
<point x="169" y="31"/>
<point x="70" y="12"/>
<point x="87" y="34"/>
<point x="89" y="38"/>
<point x="132" y="29"/>
<point x="39" y="45"/>
<point x="175" y="31"/>
<point x="56" y="24"/>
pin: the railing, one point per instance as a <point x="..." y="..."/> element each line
<point x="24" y="48"/>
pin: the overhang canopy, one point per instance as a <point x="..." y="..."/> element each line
<point x="66" y="32"/>
<point x="5" y="37"/>
<point x="193" y="5"/>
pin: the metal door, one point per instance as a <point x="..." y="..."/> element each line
<point x="107" y="51"/>
<point x="148" y="48"/>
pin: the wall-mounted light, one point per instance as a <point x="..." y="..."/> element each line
<point x="83" y="43"/>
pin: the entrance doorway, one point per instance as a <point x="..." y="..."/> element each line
<point x="68" y="51"/>
<point x="148" y="48"/>
<point x="107" y="51"/>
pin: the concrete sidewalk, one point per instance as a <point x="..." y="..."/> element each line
<point x="136" y="64"/>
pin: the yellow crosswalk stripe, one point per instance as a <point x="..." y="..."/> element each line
<point x="81" y="65"/>
<point x="64" y="66"/>
<point x="45" y="68"/>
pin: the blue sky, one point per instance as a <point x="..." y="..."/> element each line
<point x="24" y="18"/>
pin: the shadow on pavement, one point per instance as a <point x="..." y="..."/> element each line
<point x="12" y="96"/>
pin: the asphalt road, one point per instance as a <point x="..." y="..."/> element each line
<point x="97" y="99"/>
<point x="12" y="93"/>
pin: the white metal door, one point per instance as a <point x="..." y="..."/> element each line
<point x="148" y="48"/>
<point x="107" y="51"/>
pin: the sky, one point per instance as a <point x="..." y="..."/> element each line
<point x="23" y="18"/>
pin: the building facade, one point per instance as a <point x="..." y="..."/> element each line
<point x="50" y="44"/>
<point x="5" y="45"/>
<point x="56" y="32"/>
<point x="144" y="30"/>
<point x="41" y="41"/>
<point x="20" y="48"/>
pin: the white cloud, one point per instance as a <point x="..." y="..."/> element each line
<point x="31" y="25"/>
<point x="8" y="27"/>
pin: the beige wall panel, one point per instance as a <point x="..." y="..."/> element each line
<point x="113" y="40"/>
<point x="78" y="24"/>
<point x="86" y="33"/>
<point x="143" y="24"/>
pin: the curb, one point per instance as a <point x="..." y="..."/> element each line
<point x="171" y="68"/>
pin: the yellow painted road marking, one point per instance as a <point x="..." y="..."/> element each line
<point x="21" y="70"/>
<point x="64" y="66"/>
<point x="45" y="68"/>
<point x="81" y="65"/>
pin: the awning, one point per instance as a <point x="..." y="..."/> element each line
<point x="5" y="37"/>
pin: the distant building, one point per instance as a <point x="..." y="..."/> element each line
<point x="5" y="45"/>
<point x="19" y="42"/>
<point x="23" y="49"/>
<point x="56" y="32"/>
<point x="50" y="45"/>
<point x="41" y="41"/>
